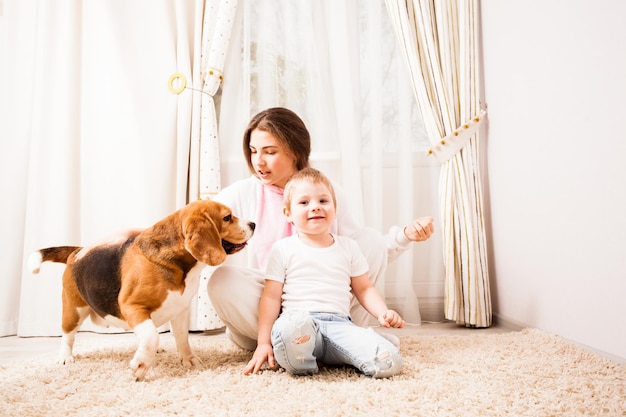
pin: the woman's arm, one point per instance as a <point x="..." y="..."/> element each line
<point x="241" y="197"/>
<point x="397" y="240"/>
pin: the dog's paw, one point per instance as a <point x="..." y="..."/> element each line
<point x="141" y="363"/>
<point x="139" y="368"/>
<point x="191" y="362"/>
<point x="64" y="359"/>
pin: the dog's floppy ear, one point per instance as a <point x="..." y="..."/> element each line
<point x="202" y="239"/>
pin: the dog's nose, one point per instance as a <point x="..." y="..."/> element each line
<point x="252" y="225"/>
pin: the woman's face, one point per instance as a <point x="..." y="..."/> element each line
<point x="272" y="162"/>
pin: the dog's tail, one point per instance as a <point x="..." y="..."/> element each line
<point x="53" y="254"/>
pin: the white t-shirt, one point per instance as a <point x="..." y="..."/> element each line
<point x="316" y="279"/>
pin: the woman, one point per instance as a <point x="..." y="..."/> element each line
<point x="277" y="144"/>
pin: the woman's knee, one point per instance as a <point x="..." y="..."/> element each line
<point x="227" y="280"/>
<point x="218" y="280"/>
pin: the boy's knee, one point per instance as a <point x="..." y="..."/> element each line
<point x="294" y="338"/>
<point x="301" y="339"/>
<point x="385" y="364"/>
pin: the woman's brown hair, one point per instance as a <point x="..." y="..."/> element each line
<point x="288" y="129"/>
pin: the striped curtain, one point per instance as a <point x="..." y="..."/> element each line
<point x="439" y="39"/>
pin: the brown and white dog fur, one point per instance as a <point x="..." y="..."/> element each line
<point x="146" y="281"/>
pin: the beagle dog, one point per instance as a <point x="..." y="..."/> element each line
<point x="146" y="281"/>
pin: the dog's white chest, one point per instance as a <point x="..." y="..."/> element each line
<point x="177" y="302"/>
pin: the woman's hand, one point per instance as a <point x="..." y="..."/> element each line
<point x="420" y="230"/>
<point x="263" y="353"/>
<point x="390" y="318"/>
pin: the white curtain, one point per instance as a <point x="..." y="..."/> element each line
<point x="340" y="70"/>
<point x="440" y="42"/>
<point x="93" y="141"/>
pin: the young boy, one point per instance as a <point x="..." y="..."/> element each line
<point x="310" y="278"/>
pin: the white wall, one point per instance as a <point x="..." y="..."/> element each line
<point x="555" y="166"/>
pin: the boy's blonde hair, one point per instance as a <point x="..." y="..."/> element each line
<point x="307" y="174"/>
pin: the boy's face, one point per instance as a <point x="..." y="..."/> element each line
<point x="312" y="210"/>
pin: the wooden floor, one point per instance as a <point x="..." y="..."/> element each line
<point x="13" y="348"/>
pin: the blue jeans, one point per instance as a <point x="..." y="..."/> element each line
<point x="300" y="339"/>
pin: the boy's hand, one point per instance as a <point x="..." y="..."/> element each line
<point x="391" y="319"/>
<point x="262" y="354"/>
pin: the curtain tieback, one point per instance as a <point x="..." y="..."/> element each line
<point x="212" y="80"/>
<point x="177" y="83"/>
<point x="455" y="141"/>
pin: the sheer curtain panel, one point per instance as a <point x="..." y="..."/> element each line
<point x="337" y="65"/>
<point x="98" y="144"/>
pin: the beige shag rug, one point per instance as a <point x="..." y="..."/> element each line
<point x="527" y="373"/>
